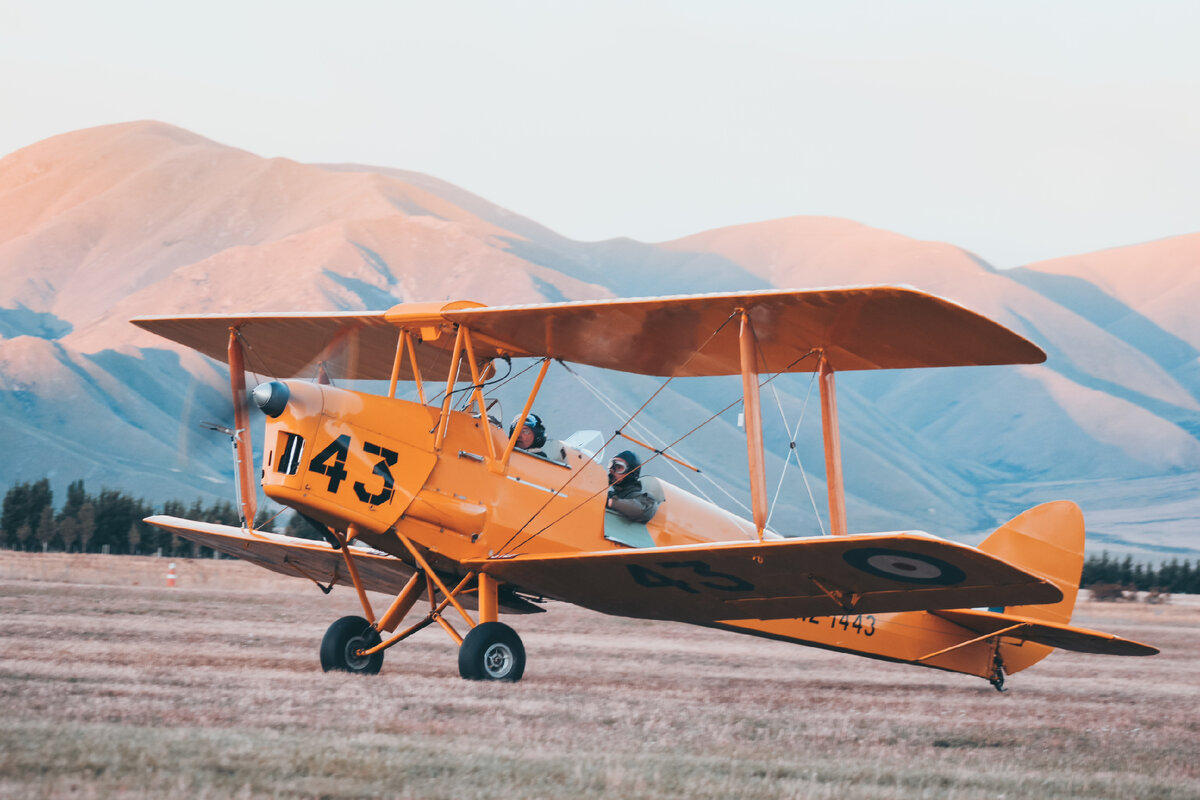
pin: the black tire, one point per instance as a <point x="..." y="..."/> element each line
<point x="344" y="637"/>
<point x="492" y="651"/>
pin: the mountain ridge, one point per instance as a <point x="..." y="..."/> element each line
<point x="100" y="225"/>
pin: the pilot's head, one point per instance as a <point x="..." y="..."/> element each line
<point x="623" y="467"/>
<point x="533" y="432"/>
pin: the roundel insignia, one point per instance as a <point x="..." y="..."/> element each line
<point x="905" y="567"/>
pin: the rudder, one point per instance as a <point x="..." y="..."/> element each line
<point x="1048" y="541"/>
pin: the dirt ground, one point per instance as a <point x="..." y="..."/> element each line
<point x="112" y="685"/>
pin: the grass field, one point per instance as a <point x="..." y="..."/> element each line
<point x="112" y="685"/>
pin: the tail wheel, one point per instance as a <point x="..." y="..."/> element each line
<point x="997" y="676"/>
<point x="343" y="640"/>
<point x="492" y="651"/>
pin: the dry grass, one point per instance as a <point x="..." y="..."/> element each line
<point x="113" y="686"/>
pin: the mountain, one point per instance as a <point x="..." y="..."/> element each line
<point x="1143" y="295"/>
<point x="100" y="225"/>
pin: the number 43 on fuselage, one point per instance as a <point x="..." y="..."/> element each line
<point x="438" y="506"/>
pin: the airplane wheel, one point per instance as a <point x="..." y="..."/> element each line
<point x="341" y="641"/>
<point x="492" y="651"/>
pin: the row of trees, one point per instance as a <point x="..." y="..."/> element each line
<point x="108" y="522"/>
<point x="91" y="523"/>
<point x="1173" y="576"/>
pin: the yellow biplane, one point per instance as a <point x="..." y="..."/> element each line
<point x="438" y="505"/>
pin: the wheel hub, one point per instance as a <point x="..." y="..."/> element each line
<point x="498" y="660"/>
<point x="354" y="659"/>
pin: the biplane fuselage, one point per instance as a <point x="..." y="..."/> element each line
<point x="462" y="517"/>
<point x="328" y="456"/>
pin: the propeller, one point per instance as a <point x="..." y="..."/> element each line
<point x="271" y="398"/>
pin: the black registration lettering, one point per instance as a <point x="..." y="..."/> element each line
<point x="644" y="576"/>
<point x="863" y="624"/>
<point x="289" y="459"/>
<point x="721" y="581"/>
<point x="387" y="458"/>
<point x="711" y="579"/>
<point x="335" y="471"/>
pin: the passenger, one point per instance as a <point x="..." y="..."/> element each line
<point x="625" y="493"/>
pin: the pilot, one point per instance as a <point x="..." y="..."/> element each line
<point x="532" y="437"/>
<point x="625" y="493"/>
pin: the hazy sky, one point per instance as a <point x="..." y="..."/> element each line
<point x="1018" y="130"/>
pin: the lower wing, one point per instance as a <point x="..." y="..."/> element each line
<point x="776" y="579"/>
<point x="317" y="561"/>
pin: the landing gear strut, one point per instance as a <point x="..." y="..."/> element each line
<point x="491" y="651"/>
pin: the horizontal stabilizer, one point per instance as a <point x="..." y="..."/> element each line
<point x="1065" y="637"/>
<point x="821" y="576"/>
<point x="306" y="558"/>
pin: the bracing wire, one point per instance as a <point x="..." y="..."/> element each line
<point x="249" y="350"/>
<point x="470" y="388"/>
<point x="682" y="368"/>
<point x="619" y="412"/>
<point x="570" y="511"/>
<point x="498" y="381"/>
<point x="792" y="434"/>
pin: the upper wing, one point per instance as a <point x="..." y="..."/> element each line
<point x="776" y="579"/>
<point x="1051" y="634"/>
<point x="875" y="327"/>
<point x="310" y="559"/>
<point x="288" y="345"/>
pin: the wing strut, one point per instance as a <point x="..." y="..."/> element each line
<point x="451" y="379"/>
<point x="525" y="409"/>
<point x="754" y="436"/>
<point x="477" y="392"/>
<point x="397" y="362"/>
<point x="833" y="450"/>
<point x="247" y="489"/>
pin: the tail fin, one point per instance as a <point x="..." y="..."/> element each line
<point x="1046" y="540"/>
